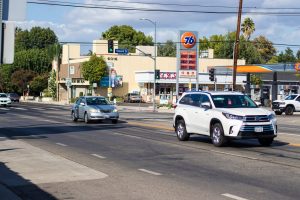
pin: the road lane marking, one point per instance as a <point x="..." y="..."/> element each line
<point x="150" y="172"/>
<point x="98" y="156"/>
<point x="131" y="136"/>
<point x="61" y="144"/>
<point x="4" y="109"/>
<point x="3" y="137"/>
<point x="19" y="108"/>
<point x="291" y="134"/>
<point x="233" y="196"/>
<point x="151" y="126"/>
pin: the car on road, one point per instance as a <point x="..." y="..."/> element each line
<point x="289" y="105"/>
<point x="223" y="116"/>
<point x="14" y="97"/>
<point x="91" y="108"/>
<point x="133" y="97"/>
<point x="4" y="100"/>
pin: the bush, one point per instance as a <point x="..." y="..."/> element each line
<point x="80" y="94"/>
<point x="74" y="99"/>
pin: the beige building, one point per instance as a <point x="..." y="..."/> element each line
<point x="137" y="71"/>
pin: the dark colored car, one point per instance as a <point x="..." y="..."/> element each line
<point x="13" y="97"/>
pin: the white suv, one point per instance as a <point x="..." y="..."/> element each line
<point x="223" y="115"/>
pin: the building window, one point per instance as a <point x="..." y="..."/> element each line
<point x="72" y="70"/>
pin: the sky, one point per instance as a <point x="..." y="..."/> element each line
<point x="85" y="24"/>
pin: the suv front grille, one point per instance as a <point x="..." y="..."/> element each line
<point x="275" y="105"/>
<point x="257" y="118"/>
<point x="251" y="128"/>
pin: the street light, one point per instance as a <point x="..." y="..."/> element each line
<point x="155" y="54"/>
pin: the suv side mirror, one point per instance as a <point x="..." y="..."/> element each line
<point x="206" y="105"/>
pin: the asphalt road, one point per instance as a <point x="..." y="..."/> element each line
<point x="140" y="158"/>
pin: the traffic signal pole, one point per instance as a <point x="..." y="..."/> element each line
<point x="236" y="47"/>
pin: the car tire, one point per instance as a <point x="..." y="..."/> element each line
<point x="74" y="118"/>
<point x="114" y="121"/>
<point x="265" y="141"/>
<point x="181" y="132"/>
<point x="278" y="112"/>
<point x="289" y="110"/>
<point x="86" y="118"/>
<point x="217" y="135"/>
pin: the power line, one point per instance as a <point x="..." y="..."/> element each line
<point x="95" y="6"/>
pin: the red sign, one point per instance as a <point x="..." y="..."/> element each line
<point x="167" y="75"/>
<point x="297" y="66"/>
<point x="188" y="60"/>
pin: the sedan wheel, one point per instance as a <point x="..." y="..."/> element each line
<point x="74" y="118"/>
<point x="86" y="118"/>
<point x="217" y="135"/>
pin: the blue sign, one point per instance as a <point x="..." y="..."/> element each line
<point x="114" y="81"/>
<point x="121" y="51"/>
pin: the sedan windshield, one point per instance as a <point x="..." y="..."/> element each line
<point x="3" y="95"/>
<point x="291" y="97"/>
<point x="96" y="101"/>
<point x="233" y="101"/>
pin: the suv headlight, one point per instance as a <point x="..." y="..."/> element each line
<point x="94" y="111"/>
<point x="272" y="116"/>
<point x="231" y="116"/>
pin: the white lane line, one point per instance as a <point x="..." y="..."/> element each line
<point x="131" y="136"/>
<point x="98" y="156"/>
<point x="37" y="108"/>
<point x="150" y="172"/>
<point x="3" y="137"/>
<point x="19" y="108"/>
<point x="4" y="109"/>
<point x="233" y="196"/>
<point x="61" y="144"/>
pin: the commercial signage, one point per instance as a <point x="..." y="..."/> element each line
<point x="117" y="81"/>
<point x="167" y="75"/>
<point x="297" y="66"/>
<point x="187" y="54"/>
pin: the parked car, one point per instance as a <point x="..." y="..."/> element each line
<point x="4" y="100"/>
<point x="13" y="97"/>
<point x="223" y="116"/>
<point x="289" y="105"/>
<point x="132" y="97"/>
<point x="91" y="108"/>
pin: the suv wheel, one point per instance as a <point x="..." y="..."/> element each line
<point x="181" y="132"/>
<point x="217" y="135"/>
<point x="74" y="118"/>
<point x="289" y="110"/>
<point x="86" y="118"/>
<point x="265" y="141"/>
<point x="278" y="112"/>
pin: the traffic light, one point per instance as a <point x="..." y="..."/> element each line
<point x="212" y="74"/>
<point x="110" y="46"/>
<point x="157" y="74"/>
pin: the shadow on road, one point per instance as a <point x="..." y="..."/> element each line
<point x="20" y="186"/>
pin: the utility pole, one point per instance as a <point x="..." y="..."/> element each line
<point x="236" y="47"/>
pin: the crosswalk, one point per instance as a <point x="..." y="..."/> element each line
<point x="11" y="108"/>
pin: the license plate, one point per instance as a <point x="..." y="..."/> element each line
<point x="259" y="129"/>
<point x="106" y="116"/>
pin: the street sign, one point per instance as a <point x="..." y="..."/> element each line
<point x="121" y="51"/>
<point x="68" y="82"/>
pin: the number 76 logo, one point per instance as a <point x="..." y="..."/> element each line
<point x="188" y="40"/>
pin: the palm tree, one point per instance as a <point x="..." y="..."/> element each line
<point x="248" y="27"/>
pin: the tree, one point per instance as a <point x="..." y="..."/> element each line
<point x="94" y="69"/>
<point x="127" y="37"/>
<point x="167" y="49"/>
<point x="273" y="60"/>
<point x="248" y="27"/>
<point x="298" y="55"/>
<point x="287" y="56"/>
<point x="265" y="48"/>
<point x="37" y="37"/>
<point x="5" y="78"/>
<point x="52" y="84"/>
<point x="38" y="84"/>
<point x="21" y="78"/>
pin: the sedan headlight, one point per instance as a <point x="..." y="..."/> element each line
<point x="94" y="111"/>
<point x="115" y="110"/>
<point x="231" y="116"/>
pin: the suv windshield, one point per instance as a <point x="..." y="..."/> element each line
<point x="291" y="97"/>
<point x="233" y="101"/>
<point x="3" y="95"/>
<point x="96" y="101"/>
